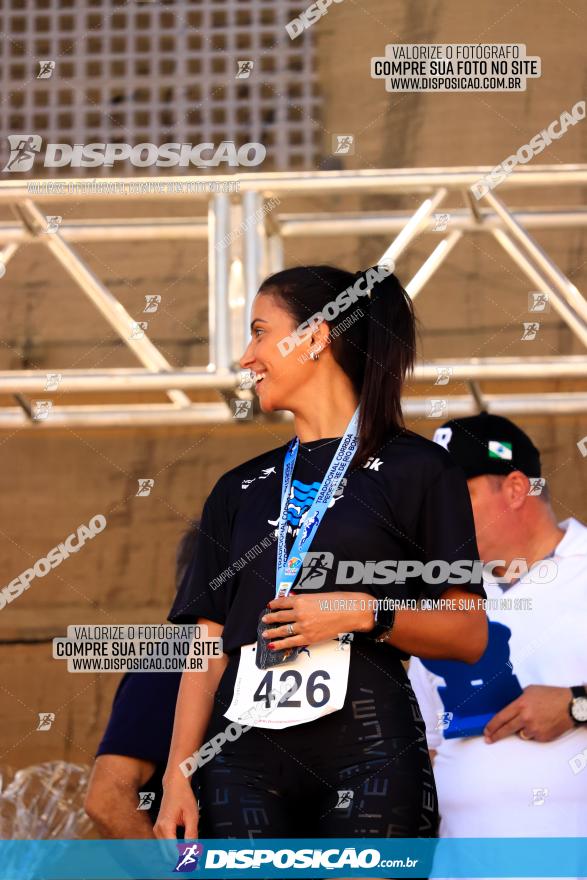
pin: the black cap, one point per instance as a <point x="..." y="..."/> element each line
<point x="489" y="444"/>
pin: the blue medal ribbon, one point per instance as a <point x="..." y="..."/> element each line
<point x="289" y="566"/>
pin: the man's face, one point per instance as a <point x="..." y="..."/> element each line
<point x="492" y="515"/>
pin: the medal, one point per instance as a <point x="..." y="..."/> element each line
<point x="266" y="658"/>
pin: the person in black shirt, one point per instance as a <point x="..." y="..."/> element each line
<point x="331" y="743"/>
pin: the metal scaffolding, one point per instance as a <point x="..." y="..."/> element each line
<point x="245" y="234"/>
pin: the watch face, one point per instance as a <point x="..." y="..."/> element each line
<point x="579" y="709"/>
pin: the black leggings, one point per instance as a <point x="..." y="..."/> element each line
<point x="363" y="771"/>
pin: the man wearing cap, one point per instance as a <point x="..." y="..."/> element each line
<point x="509" y="733"/>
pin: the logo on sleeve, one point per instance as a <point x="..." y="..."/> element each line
<point x="266" y="472"/>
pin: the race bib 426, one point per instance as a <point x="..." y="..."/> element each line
<point x="313" y="685"/>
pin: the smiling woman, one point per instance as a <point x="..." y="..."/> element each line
<point x="366" y="363"/>
<point x="337" y="748"/>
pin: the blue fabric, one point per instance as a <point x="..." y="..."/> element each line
<point x="474" y="692"/>
<point x="141" y="720"/>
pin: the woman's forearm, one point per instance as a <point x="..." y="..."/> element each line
<point x="433" y="633"/>
<point x="192" y="714"/>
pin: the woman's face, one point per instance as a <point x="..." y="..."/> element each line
<point x="279" y="378"/>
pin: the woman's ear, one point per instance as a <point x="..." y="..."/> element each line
<point x="320" y="337"/>
<point x="316" y="344"/>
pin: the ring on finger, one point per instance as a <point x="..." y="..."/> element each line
<point x="290" y="629"/>
<point x="523" y="735"/>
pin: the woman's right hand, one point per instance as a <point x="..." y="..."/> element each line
<point x="178" y="807"/>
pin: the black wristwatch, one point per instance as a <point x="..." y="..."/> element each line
<point x="578" y="705"/>
<point x="384" y="620"/>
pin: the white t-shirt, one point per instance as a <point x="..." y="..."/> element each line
<point x="517" y="788"/>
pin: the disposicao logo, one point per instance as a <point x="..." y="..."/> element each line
<point x="24" y="148"/>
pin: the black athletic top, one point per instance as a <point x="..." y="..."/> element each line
<point x="410" y="502"/>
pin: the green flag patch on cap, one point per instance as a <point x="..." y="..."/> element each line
<point x="489" y="444"/>
<point x="500" y="450"/>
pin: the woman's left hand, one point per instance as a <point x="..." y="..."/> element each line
<point x="317" y="618"/>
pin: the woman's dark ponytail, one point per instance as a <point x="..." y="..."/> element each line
<point x="376" y="349"/>
<point x="390" y="356"/>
